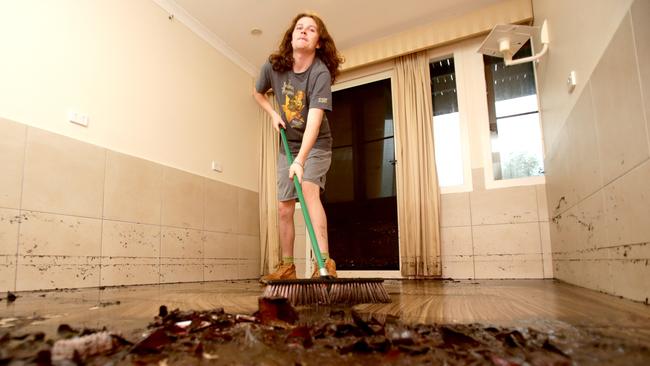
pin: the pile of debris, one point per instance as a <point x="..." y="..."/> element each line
<point x="278" y="334"/>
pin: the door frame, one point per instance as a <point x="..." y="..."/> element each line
<point x="366" y="79"/>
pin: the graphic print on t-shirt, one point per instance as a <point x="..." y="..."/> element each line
<point x="294" y="102"/>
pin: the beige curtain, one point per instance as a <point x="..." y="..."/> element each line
<point x="269" y="239"/>
<point x="418" y="194"/>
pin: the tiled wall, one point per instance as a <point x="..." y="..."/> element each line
<point x="598" y="171"/>
<point x="495" y="233"/>
<point x="77" y="215"/>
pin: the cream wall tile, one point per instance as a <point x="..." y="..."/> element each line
<point x="50" y="272"/>
<point x="299" y="220"/>
<point x="301" y="268"/>
<point x="568" y="234"/>
<point x="560" y="255"/>
<point x="300" y="245"/>
<point x="478" y="179"/>
<point x="627" y="207"/>
<point x="563" y="270"/>
<point x="560" y="191"/>
<point x="59" y="235"/>
<point x="129" y="271"/>
<point x="9" y="220"/>
<point x="125" y="239"/>
<point x="600" y="270"/>
<point x="220" y="269"/>
<point x="181" y="243"/>
<point x="249" y="270"/>
<point x="12" y="154"/>
<point x="593" y="274"/>
<point x="7" y="273"/>
<point x="182" y="199"/>
<point x="637" y="251"/>
<point x="506" y="239"/>
<point x="509" y="266"/>
<point x="63" y="175"/>
<point x="221" y="245"/>
<point x="133" y="189"/>
<point x="547" y="260"/>
<point x="630" y="278"/>
<point x="545" y="234"/>
<point x="617" y="97"/>
<point x="583" y="160"/>
<point x="542" y="204"/>
<point x="248" y="220"/>
<point x="249" y="247"/>
<point x="590" y="221"/>
<point x="640" y="11"/>
<point x="630" y="271"/>
<point x="174" y="270"/>
<point x="580" y="228"/>
<point x="501" y="206"/>
<point x="558" y="245"/>
<point x="457" y="266"/>
<point x="595" y="254"/>
<point x="456" y="241"/>
<point x="454" y="210"/>
<point x="558" y="242"/>
<point x="221" y="206"/>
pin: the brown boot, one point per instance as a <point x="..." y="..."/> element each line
<point x="282" y="272"/>
<point x="330" y="266"/>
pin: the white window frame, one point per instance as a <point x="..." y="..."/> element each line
<point x="443" y="53"/>
<point x="490" y="182"/>
<point x="309" y="267"/>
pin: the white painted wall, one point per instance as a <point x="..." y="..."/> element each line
<point x="579" y="32"/>
<point x="151" y="88"/>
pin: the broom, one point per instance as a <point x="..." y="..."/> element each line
<point x="325" y="289"/>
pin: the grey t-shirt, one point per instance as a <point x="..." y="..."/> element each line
<point x="296" y="93"/>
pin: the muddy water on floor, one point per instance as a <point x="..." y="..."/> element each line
<point x="460" y="322"/>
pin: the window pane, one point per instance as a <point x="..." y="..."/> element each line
<point x="510" y="107"/>
<point x="449" y="156"/>
<point x="515" y="133"/>
<point x="341" y="132"/>
<point x="446" y="123"/>
<point x="340" y="183"/>
<point x="443" y="86"/>
<point x="518" y="147"/>
<point x="376" y="107"/>
<point x="379" y="168"/>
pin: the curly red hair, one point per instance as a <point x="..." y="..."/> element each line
<point x="282" y="59"/>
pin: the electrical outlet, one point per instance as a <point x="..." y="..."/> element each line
<point x="78" y="118"/>
<point x="216" y="166"/>
<point x="572" y="81"/>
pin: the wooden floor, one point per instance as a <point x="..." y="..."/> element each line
<point x="534" y="303"/>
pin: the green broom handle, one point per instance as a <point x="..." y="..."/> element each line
<point x="303" y="206"/>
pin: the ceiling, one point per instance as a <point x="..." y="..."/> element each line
<point x="350" y="22"/>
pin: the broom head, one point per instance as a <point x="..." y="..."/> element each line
<point x="328" y="290"/>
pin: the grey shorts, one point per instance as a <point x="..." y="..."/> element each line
<point x="316" y="167"/>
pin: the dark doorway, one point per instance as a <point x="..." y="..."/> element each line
<point x="360" y="198"/>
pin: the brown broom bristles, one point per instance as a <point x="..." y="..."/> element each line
<point x="325" y="291"/>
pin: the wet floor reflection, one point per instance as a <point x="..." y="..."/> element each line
<point x="543" y="305"/>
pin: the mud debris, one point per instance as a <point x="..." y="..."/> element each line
<point x="278" y="334"/>
<point x="11" y="297"/>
